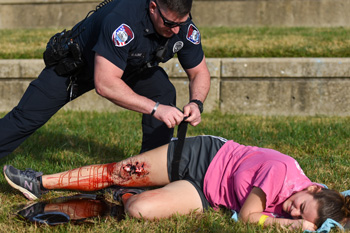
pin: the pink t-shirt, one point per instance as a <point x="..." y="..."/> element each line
<point x="236" y="169"/>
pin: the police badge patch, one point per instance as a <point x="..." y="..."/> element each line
<point x="193" y="34"/>
<point x="177" y="46"/>
<point x="122" y="35"/>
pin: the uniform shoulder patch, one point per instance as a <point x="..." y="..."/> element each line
<point x="178" y="46"/>
<point x="122" y="35"/>
<point x="193" y="34"/>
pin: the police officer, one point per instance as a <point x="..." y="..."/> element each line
<point x="119" y="48"/>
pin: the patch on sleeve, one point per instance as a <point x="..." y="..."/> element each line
<point x="122" y="35"/>
<point x="178" y="46"/>
<point x="193" y="34"/>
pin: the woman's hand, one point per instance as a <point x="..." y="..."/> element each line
<point x="304" y="224"/>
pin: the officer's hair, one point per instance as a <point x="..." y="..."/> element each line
<point x="181" y="7"/>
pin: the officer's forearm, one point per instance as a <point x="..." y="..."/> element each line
<point x="108" y="84"/>
<point x="199" y="77"/>
<point x="199" y="88"/>
<point x="122" y="95"/>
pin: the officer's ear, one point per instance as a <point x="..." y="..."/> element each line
<point x="152" y="7"/>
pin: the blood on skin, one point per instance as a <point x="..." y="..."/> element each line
<point x="88" y="178"/>
<point x="126" y="197"/>
<point x="95" y="177"/>
<point x="79" y="209"/>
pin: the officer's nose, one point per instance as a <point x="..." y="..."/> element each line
<point x="175" y="30"/>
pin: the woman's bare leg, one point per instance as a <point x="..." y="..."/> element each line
<point x="177" y="197"/>
<point x="146" y="169"/>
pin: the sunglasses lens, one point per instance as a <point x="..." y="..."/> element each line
<point x="173" y="24"/>
<point x="170" y="24"/>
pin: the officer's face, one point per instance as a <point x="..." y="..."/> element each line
<point x="166" y="23"/>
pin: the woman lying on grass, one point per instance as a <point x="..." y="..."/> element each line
<point x="263" y="185"/>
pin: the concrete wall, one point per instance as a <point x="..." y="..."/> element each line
<point x="290" y="13"/>
<point x="270" y="86"/>
<point x="290" y="86"/>
<point x="65" y="13"/>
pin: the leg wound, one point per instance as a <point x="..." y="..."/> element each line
<point x="137" y="169"/>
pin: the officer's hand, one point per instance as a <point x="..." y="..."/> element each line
<point x="171" y="116"/>
<point x="191" y="111"/>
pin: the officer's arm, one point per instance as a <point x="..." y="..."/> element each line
<point x="108" y="84"/>
<point x="199" y="77"/>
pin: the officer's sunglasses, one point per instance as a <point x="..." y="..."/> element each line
<point x="169" y="23"/>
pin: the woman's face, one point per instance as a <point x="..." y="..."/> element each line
<point x="302" y="205"/>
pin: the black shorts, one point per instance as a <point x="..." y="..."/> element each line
<point x="197" y="153"/>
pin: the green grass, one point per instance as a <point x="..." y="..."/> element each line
<point x="276" y="42"/>
<point x="217" y="42"/>
<point x="73" y="139"/>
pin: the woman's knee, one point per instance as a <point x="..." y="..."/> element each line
<point x="139" y="207"/>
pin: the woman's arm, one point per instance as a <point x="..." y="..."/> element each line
<point x="253" y="208"/>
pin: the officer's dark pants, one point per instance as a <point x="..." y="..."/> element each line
<point x="48" y="93"/>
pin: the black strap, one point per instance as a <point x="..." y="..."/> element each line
<point x="181" y="134"/>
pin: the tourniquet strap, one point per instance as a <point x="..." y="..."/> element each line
<point x="181" y="134"/>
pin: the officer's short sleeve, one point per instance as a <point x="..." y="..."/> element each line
<point x="192" y="53"/>
<point x="114" y="40"/>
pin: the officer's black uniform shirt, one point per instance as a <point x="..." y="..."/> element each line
<point x="123" y="33"/>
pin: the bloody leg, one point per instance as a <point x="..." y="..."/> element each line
<point x="146" y="169"/>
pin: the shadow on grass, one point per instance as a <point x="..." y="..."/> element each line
<point x="51" y="152"/>
<point x="46" y="142"/>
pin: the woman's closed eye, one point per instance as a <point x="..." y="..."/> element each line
<point x="302" y="207"/>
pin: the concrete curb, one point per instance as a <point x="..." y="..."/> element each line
<point x="261" y="86"/>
